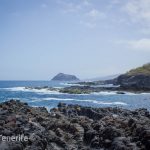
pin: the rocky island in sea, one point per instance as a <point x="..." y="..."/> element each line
<point x="73" y="127"/>
<point x="65" y="77"/>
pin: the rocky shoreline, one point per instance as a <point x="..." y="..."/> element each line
<point x="90" y="89"/>
<point x="73" y="127"/>
<point x="84" y="89"/>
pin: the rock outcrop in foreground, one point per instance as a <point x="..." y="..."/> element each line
<point x="65" y="77"/>
<point x="72" y="127"/>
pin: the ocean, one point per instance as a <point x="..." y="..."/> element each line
<point x="50" y="99"/>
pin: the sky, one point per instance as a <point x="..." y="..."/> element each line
<point x="88" y="38"/>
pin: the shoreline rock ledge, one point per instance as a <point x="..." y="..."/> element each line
<point x="65" y="77"/>
<point x="73" y="127"/>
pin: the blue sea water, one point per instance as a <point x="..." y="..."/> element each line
<point x="49" y="99"/>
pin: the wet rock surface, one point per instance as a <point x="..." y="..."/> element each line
<point x="73" y="127"/>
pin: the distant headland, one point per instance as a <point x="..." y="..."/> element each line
<point x="65" y="77"/>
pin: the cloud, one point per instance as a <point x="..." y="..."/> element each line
<point x="71" y="7"/>
<point x="92" y="17"/>
<point x="89" y="15"/>
<point x="88" y="24"/>
<point x="131" y="13"/>
<point x="145" y="31"/>
<point x="115" y="1"/>
<point x="139" y="45"/>
<point x="86" y="3"/>
<point x="142" y="44"/>
<point x="96" y="14"/>
<point x="138" y="10"/>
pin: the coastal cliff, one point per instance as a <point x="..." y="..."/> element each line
<point x="136" y="79"/>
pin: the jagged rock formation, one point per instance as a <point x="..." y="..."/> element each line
<point x="73" y="127"/>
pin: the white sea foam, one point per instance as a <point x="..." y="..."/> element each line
<point x="51" y="98"/>
<point x="15" y="89"/>
<point x="104" y="93"/>
<point x="78" y="100"/>
<point x="145" y="93"/>
<point x="129" y="93"/>
<point x="116" y="93"/>
<point x="47" y="91"/>
<point x="58" y="87"/>
<point x="71" y="84"/>
<point x="109" y="103"/>
<point x="39" y="91"/>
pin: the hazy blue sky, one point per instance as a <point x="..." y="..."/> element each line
<point x="88" y="38"/>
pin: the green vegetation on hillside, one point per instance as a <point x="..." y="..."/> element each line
<point x="144" y="70"/>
